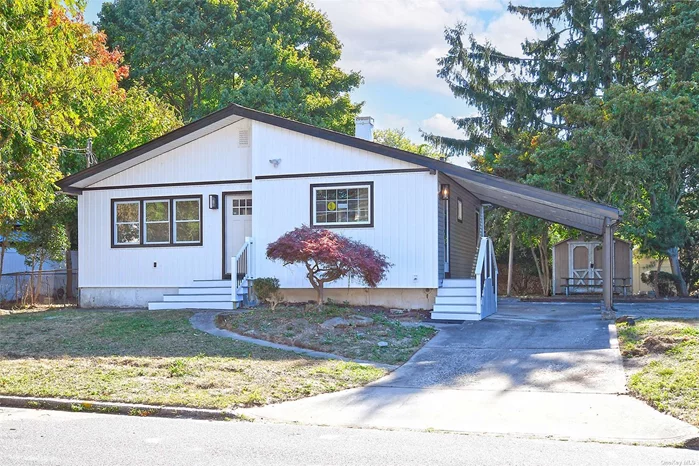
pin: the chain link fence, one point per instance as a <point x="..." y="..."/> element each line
<point x="45" y="287"/>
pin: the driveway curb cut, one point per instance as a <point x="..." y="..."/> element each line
<point x="108" y="407"/>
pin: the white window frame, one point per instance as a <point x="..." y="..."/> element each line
<point x="117" y="223"/>
<point x="369" y="186"/>
<point x="146" y="221"/>
<point x="175" y="221"/>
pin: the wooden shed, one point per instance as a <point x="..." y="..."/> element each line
<point x="578" y="266"/>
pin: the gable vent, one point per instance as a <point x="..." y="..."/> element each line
<point x="244" y="138"/>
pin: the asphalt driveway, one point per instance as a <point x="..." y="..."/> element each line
<point x="532" y="369"/>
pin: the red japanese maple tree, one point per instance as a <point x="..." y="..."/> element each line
<point x="328" y="256"/>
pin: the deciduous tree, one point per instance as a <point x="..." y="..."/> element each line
<point x="278" y="56"/>
<point x="328" y="257"/>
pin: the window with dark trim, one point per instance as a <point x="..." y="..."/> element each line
<point x="157" y="221"/>
<point x="345" y="205"/>
<point x="459" y="210"/>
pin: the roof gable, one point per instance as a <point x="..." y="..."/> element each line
<point x="578" y="213"/>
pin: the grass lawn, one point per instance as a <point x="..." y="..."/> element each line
<point x="155" y="358"/>
<point x="301" y="326"/>
<point x="662" y="357"/>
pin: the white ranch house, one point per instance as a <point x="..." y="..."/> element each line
<point x="168" y="224"/>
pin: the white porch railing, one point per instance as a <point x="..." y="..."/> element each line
<point x="242" y="266"/>
<point x="486" y="279"/>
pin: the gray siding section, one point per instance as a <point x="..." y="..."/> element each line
<point x="464" y="235"/>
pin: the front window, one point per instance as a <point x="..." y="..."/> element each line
<point x="342" y="205"/>
<point x="157" y="222"/>
<point x="168" y="221"/>
<point x="127" y="222"/>
<point x="187" y="221"/>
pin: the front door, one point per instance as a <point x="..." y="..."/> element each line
<point x="586" y="266"/>
<point x="237" y="225"/>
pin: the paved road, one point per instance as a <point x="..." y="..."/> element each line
<point x="545" y="369"/>
<point x="29" y="437"/>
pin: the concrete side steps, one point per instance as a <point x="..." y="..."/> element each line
<point x="456" y="300"/>
<point x="219" y="290"/>
<point x="193" y="298"/>
<point x="459" y="300"/>
<point x="459" y="283"/>
<point x="454" y="316"/>
<point x="213" y="283"/>
<point x="456" y="291"/>
<point x="168" y="305"/>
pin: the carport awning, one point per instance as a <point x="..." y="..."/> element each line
<point x="567" y="210"/>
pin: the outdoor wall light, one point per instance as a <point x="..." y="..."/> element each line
<point x="444" y="192"/>
<point x="213" y="201"/>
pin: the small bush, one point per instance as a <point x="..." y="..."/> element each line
<point x="267" y="289"/>
<point x="667" y="283"/>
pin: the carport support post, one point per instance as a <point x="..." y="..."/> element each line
<point x="607" y="270"/>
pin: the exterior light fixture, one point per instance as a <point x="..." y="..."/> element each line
<point x="444" y="192"/>
<point x="213" y="201"/>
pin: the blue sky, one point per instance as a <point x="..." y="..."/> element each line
<point x="395" y="44"/>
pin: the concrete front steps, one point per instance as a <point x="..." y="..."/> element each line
<point x="456" y="300"/>
<point x="202" y="294"/>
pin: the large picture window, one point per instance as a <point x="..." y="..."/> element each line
<point x="342" y="205"/>
<point x="167" y="221"/>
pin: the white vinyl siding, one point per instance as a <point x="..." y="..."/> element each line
<point x="404" y="205"/>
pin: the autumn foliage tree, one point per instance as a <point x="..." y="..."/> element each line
<point x="328" y="256"/>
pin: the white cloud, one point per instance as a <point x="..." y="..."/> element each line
<point x="399" y="41"/>
<point x="441" y="125"/>
<point x="507" y="32"/>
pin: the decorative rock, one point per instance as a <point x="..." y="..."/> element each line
<point x="382" y="344"/>
<point x="361" y="321"/>
<point x="351" y="321"/>
<point x="397" y="311"/>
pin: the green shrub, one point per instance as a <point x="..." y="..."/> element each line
<point x="667" y="283"/>
<point x="267" y="290"/>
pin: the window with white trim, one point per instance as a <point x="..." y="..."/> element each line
<point x="156" y="222"/>
<point x="127" y="222"/>
<point x="342" y="205"/>
<point x="187" y="221"/>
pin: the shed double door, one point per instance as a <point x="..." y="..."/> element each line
<point x="237" y="219"/>
<point x="586" y="266"/>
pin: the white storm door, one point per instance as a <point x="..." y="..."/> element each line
<point x="237" y="226"/>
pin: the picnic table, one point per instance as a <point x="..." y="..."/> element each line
<point x="592" y="283"/>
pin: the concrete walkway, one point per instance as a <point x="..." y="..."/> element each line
<point x="549" y="370"/>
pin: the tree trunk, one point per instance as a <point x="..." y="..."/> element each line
<point x="321" y="291"/>
<point x="510" y="263"/>
<point x="3" y="248"/>
<point x="538" y="269"/>
<point x="655" y="282"/>
<point x="69" y="268"/>
<point x="37" y="290"/>
<point x="673" y="255"/>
